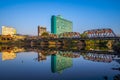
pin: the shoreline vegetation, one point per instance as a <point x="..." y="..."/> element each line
<point x="68" y="44"/>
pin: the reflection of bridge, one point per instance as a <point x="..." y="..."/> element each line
<point x="99" y="57"/>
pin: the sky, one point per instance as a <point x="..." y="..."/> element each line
<point x="26" y="15"/>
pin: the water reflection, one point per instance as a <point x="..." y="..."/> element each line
<point x="59" y="63"/>
<point x="9" y="52"/>
<point x="99" y="57"/>
<point x="8" y="55"/>
<point x="63" y="59"/>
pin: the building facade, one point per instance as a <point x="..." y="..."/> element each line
<point x="60" y="25"/>
<point x="41" y="30"/>
<point x="8" y="30"/>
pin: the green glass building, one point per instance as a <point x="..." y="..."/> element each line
<point x="60" y="25"/>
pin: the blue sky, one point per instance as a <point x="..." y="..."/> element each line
<point x="26" y="15"/>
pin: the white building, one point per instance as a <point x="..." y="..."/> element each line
<point x="8" y="30"/>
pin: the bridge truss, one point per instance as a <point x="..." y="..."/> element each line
<point x="106" y="32"/>
<point x="69" y="35"/>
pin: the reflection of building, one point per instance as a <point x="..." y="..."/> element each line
<point x="8" y="55"/>
<point x="9" y="52"/>
<point x="41" y="30"/>
<point x="59" y="63"/>
<point x="41" y="56"/>
<point x="60" y="25"/>
<point x="8" y="30"/>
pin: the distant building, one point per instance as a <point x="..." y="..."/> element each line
<point x="41" y="30"/>
<point x="60" y="25"/>
<point x="8" y="30"/>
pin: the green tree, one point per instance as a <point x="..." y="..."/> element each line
<point x="45" y="35"/>
<point x="83" y="35"/>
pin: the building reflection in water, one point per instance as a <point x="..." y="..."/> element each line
<point x="9" y="52"/>
<point x="62" y="60"/>
<point x="59" y="63"/>
<point x="41" y="57"/>
<point x="8" y="55"/>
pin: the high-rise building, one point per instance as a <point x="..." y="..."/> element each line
<point x="8" y="30"/>
<point x="41" y="30"/>
<point x="60" y="25"/>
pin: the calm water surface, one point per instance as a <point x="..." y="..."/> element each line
<point x="65" y="65"/>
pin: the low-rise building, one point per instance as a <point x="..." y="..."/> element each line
<point x="8" y="31"/>
<point x="41" y="30"/>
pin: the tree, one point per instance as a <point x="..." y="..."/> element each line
<point x="45" y="34"/>
<point x="83" y="35"/>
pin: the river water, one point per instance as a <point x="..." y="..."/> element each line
<point x="39" y="64"/>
